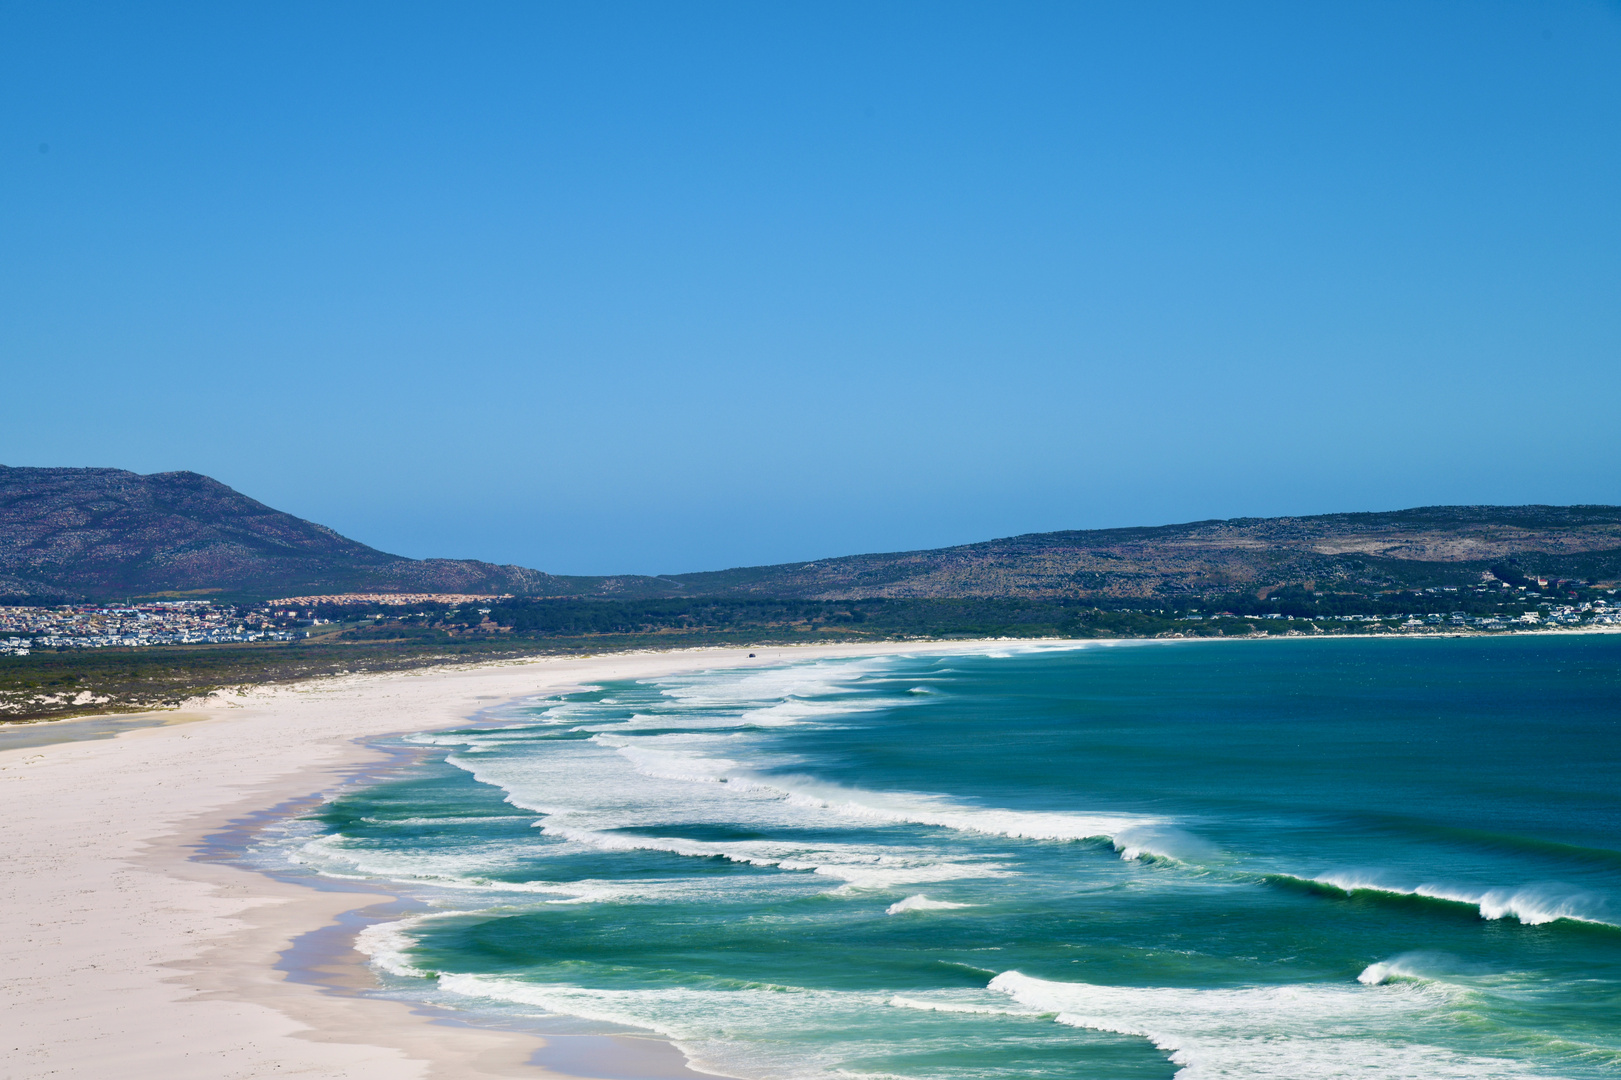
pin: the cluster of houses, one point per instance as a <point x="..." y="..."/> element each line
<point x="1594" y="613"/>
<point x="195" y="622"/>
<point x="185" y="622"/>
<point x="355" y="599"/>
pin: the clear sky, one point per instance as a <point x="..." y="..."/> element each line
<point x="663" y="287"/>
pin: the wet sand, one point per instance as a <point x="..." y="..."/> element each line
<point x="130" y="952"/>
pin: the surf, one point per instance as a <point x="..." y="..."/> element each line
<point x="1054" y="862"/>
<point x="1530" y="905"/>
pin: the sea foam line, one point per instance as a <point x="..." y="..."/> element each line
<point x="919" y="902"/>
<point x="756" y="1031"/>
<point x="1133" y="836"/>
<point x="858" y="866"/>
<point x="1408" y="965"/>
<point x="387" y="944"/>
<point x="1270" y="1032"/>
<point x="688" y="758"/>
<point x="1531" y="905"/>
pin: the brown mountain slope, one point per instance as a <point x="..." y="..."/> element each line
<point x="1211" y="557"/>
<point x="107" y="533"/>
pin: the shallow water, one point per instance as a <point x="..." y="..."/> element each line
<point x="22" y="735"/>
<point x="1233" y="859"/>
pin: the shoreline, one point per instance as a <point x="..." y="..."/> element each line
<point x="116" y="716"/>
<point x="135" y="952"/>
<point x="325" y="958"/>
<point x="131" y="955"/>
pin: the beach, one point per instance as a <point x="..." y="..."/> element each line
<point x="127" y="956"/>
<point x="640" y="830"/>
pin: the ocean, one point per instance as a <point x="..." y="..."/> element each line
<point x="1296" y="858"/>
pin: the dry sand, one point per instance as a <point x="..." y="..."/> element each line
<point x="125" y="956"/>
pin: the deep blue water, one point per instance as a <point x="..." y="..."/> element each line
<point x="1235" y="859"/>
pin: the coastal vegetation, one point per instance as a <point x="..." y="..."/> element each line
<point x="56" y="681"/>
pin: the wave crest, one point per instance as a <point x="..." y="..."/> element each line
<point x="1284" y="1032"/>
<point x="919" y="902"/>
<point x="1531" y="905"/>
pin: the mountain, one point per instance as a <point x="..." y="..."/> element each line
<point x="106" y="534"/>
<point x="1358" y="552"/>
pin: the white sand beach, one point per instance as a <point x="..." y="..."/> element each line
<point x="125" y="956"/>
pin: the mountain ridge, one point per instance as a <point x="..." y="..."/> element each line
<point x="100" y="533"/>
<point x="1202" y="557"/>
<point x="104" y="533"/>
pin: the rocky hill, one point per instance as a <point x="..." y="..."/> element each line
<point x="1359" y="552"/>
<point x="106" y="533"/>
<point x="1365" y="552"/>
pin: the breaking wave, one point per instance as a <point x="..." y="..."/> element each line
<point x="1531" y="905"/>
<point x="1264" y="1032"/>
<point x="919" y="902"/>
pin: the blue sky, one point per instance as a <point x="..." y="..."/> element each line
<point x="666" y="287"/>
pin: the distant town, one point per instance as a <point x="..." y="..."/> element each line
<point x="24" y="630"/>
<point x="186" y="622"/>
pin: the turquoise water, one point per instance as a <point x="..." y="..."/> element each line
<point x="1233" y="859"/>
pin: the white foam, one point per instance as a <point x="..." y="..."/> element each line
<point x="703" y="753"/>
<point x="919" y="902"/>
<point x="422" y="822"/>
<point x="468" y="865"/>
<point x="1285" y="1032"/>
<point x="770" y="1032"/>
<point x="1538" y="904"/>
<point x="674" y="757"/>
<point x="674" y="1012"/>
<point x="761" y="1032"/>
<point x="858" y="866"/>
<point x="387" y="944"/>
<point x="1532" y="905"/>
<point x="1159" y="841"/>
<point x="938" y="1004"/>
<point x="914" y="808"/>
<point x="685" y="757"/>
<point x="689" y="758"/>
<point x="1008" y="649"/>
<point x="592" y="792"/>
<point x="705" y="889"/>
<point x="778" y="697"/>
<point x="474" y="868"/>
<point x="1408" y="965"/>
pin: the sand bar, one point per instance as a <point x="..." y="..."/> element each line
<point x="124" y="955"/>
